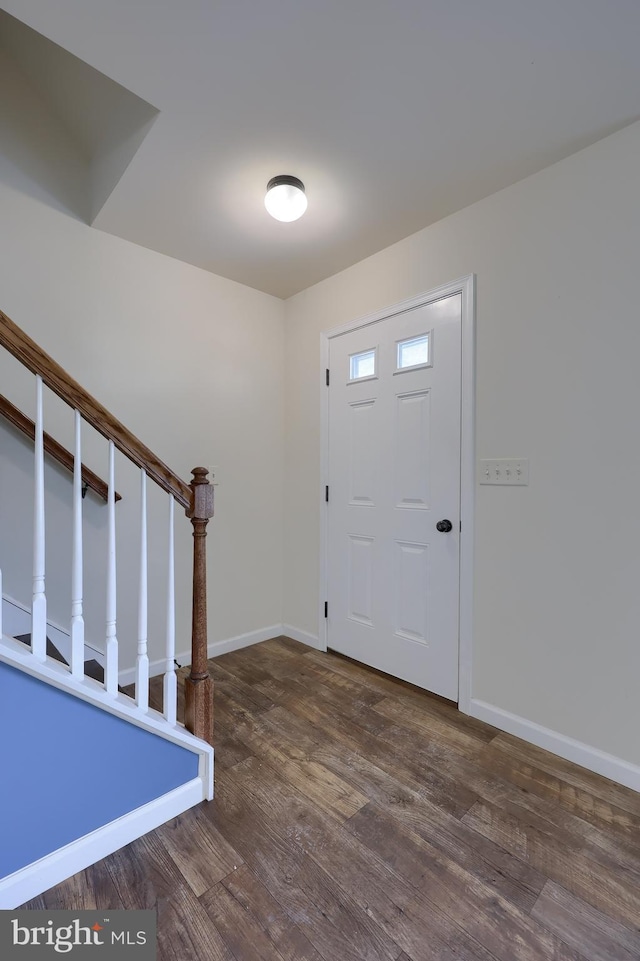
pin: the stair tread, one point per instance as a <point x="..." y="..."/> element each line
<point x="95" y="670"/>
<point x="52" y="650"/>
<point x="92" y="668"/>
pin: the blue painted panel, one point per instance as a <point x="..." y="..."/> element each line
<point x="68" y="768"/>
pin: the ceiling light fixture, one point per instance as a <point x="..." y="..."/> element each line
<point x="285" y="199"/>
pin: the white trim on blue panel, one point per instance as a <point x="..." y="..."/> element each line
<point x="43" y="874"/>
<point x="52" y="672"/>
<point x="28" y="882"/>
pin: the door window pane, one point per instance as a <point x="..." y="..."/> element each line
<point x="362" y="365"/>
<point x="413" y="352"/>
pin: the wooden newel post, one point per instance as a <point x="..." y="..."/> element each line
<point x="199" y="686"/>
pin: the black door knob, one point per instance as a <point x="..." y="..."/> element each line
<point x="444" y="526"/>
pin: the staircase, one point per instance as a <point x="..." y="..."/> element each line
<point x="86" y="768"/>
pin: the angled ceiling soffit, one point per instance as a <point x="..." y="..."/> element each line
<point x="67" y="131"/>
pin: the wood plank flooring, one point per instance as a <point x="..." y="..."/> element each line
<point x="359" y="819"/>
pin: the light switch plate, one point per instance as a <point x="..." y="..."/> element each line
<point x="511" y="471"/>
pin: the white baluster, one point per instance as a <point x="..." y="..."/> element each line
<point x="77" y="619"/>
<point x="142" y="665"/>
<point x="111" y="669"/>
<point x="170" y="683"/>
<point x="39" y="600"/>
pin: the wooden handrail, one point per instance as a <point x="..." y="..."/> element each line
<point x="69" y="390"/>
<point x="53" y="448"/>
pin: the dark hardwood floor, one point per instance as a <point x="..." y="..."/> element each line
<point x="358" y="818"/>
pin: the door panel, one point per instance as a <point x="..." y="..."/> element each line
<point x="394" y="472"/>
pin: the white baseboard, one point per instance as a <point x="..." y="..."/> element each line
<point x="303" y="637"/>
<point x="615" y="768"/>
<point x="32" y="880"/>
<point x="214" y="649"/>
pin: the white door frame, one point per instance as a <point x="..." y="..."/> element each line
<point x="466" y="287"/>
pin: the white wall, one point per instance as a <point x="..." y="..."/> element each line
<point x="557" y="563"/>
<point x="192" y="363"/>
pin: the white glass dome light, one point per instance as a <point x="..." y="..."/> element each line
<point x="285" y="199"/>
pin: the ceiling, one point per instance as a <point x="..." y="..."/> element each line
<point x="164" y="119"/>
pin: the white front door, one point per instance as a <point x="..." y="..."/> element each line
<point x="393" y="535"/>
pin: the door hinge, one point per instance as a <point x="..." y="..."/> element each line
<point x="327" y="376"/>
<point x="326" y="608"/>
<point x="460" y="526"/>
<point x="326" y="493"/>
